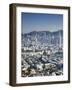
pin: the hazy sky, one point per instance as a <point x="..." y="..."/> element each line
<point x="41" y="22"/>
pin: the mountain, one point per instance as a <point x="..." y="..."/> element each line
<point x="43" y="37"/>
<point x="41" y="33"/>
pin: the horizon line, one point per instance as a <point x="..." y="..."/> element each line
<point x="43" y="31"/>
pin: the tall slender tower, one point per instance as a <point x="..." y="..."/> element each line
<point x="36" y="39"/>
<point x="49" y="39"/>
<point x="60" y="39"/>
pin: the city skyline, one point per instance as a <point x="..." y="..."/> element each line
<point x="41" y="22"/>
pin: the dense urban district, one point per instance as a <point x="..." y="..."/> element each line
<point x="42" y="53"/>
